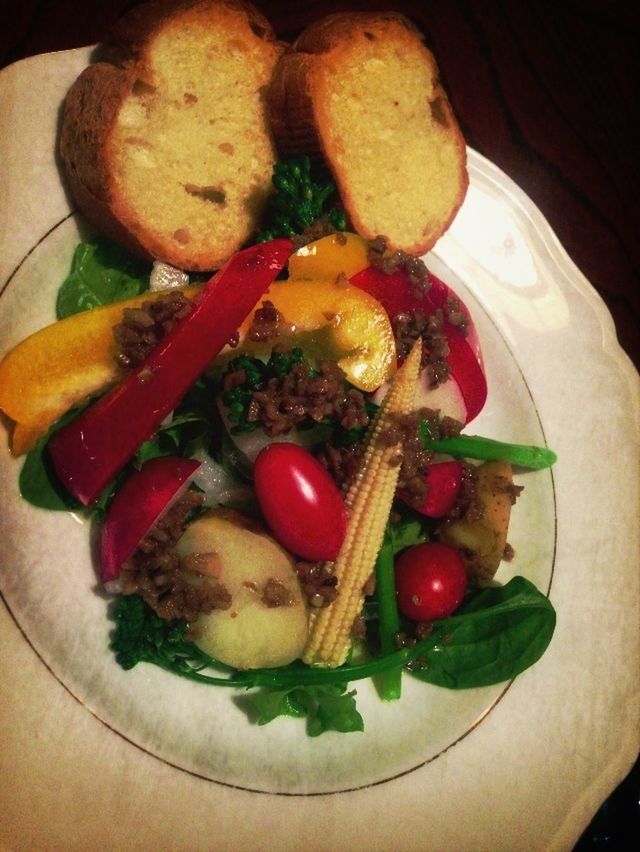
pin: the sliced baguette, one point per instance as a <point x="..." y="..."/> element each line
<point x="165" y="142"/>
<point x="362" y="91"/>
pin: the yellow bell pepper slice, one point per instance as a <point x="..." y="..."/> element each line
<point x="329" y="317"/>
<point x="343" y="253"/>
<point x="60" y="366"/>
<point x="335" y="320"/>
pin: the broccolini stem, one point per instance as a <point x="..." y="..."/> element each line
<point x="389" y="683"/>
<point x="190" y="673"/>
<point x="486" y="449"/>
<point x="309" y="675"/>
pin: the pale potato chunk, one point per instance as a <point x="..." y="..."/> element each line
<point x="482" y="540"/>
<point x="267" y="622"/>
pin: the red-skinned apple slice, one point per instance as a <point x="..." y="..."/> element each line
<point x="446" y="398"/>
<point x="89" y="451"/>
<point x="396" y="293"/>
<point x="143" y="498"/>
<point x="444" y="480"/>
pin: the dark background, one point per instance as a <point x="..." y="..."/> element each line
<point x="546" y="90"/>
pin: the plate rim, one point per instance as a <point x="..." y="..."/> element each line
<point x="571" y="274"/>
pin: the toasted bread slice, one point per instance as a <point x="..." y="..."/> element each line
<point x="166" y="145"/>
<point x="362" y="90"/>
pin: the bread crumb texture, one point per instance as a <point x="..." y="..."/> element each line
<point x="189" y="157"/>
<point x="387" y="130"/>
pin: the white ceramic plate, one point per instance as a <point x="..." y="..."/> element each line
<point x="539" y="760"/>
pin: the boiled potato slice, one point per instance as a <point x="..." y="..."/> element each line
<point x="482" y="540"/>
<point x="267" y="622"/>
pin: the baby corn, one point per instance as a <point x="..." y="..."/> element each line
<point x="368" y="503"/>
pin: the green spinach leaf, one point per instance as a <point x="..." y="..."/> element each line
<point x="498" y="634"/>
<point x="101" y="273"/>
<point x="38" y="482"/>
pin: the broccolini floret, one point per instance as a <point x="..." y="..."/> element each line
<point x="141" y="636"/>
<point x="298" y="201"/>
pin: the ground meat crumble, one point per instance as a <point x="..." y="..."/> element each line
<point x="467" y="504"/>
<point x="144" y="327"/>
<point x="268" y="323"/>
<point x="318" y="583"/>
<point x="343" y="463"/>
<point x="303" y="396"/>
<point x="156" y="573"/>
<point x="321" y="227"/>
<point x="379" y="256"/>
<point x="414" y="324"/>
<point x="410" y="326"/>
<point x="413" y="457"/>
<point x="276" y="594"/>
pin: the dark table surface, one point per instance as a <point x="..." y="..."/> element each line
<point x="546" y="90"/>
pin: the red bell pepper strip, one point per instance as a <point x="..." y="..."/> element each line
<point x="92" y="449"/>
<point x="143" y="498"/>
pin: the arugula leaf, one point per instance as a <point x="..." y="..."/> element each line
<point x="177" y="437"/>
<point x="101" y="273"/>
<point x="326" y="708"/>
<point x="498" y="634"/>
<point x="266" y="705"/>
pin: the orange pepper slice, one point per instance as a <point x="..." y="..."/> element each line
<point x="59" y="367"/>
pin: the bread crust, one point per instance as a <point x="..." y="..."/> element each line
<point x="298" y="116"/>
<point x="128" y="39"/>
<point x="90" y="111"/>
<point x="90" y="115"/>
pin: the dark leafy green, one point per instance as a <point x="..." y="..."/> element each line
<point x="101" y="273"/>
<point x="178" y="437"/>
<point x="140" y="636"/>
<point x="256" y="376"/>
<point x="298" y="201"/>
<point x="38" y="482"/>
<point x="326" y="708"/>
<point x="498" y="634"/>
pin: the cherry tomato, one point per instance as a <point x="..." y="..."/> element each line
<point x="300" y="501"/>
<point x="430" y="581"/>
<point x="444" y="481"/>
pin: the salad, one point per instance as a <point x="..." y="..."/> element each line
<point x="287" y="502"/>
